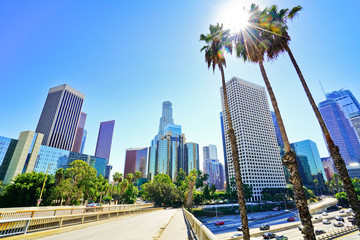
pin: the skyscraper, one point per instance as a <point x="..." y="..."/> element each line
<point x="309" y="149"/>
<point x="259" y="157"/>
<point x="224" y="148"/>
<point x="349" y="105"/>
<point x="213" y="167"/>
<point x="103" y="145"/>
<point x="83" y="141"/>
<point x="79" y="137"/>
<point x="60" y="117"/>
<point x="341" y="131"/>
<point x="135" y="160"/>
<point x="192" y="157"/>
<point x="210" y="152"/>
<point x="165" y="119"/>
<point x="277" y="131"/>
<point x="329" y="167"/>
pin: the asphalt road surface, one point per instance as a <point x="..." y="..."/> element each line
<point x="143" y="226"/>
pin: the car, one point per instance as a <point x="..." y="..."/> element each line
<point x="349" y="211"/>
<point x="318" y="217"/>
<point x="338" y="218"/>
<point x="236" y="235"/>
<point x="281" y="237"/>
<point x="264" y="227"/>
<point x="342" y="211"/>
<point x="339" y="207"/>
<point x="326" y="221"/>
<point x="269" y="235"/>
<point x="219" y="223"/>
<point x="338" y="224"/>
<point x="351" y="219"/>
<point x="290" y="219"/>
<point x="319" y="232"/>
<point x="276" y="209"/>
<point x="91" y="205"/>
<point x="301" y="227"/>
<point x="239" y="228"/>
<point x="324" y="214"/>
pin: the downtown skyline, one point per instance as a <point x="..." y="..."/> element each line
<point x="37" y="58"/>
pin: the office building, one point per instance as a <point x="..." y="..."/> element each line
<point x="309" y="149"/>
<point x="224" y="148"/>
<point x="329" y="167"/>
<point x="136" y="160"/>
<point x="354" y="170"/>
<point x="192" y="157"/>
<point x="341" y="131"/>
<point x="79" y="137"/>
<point x="83" y="141"/>
<point x="259" y="156"/>
<point x="60" y="117"/>
<point x="279" y="139"/>
<point x="104" y="140"/>
<point x="355" y="121"/>
<point x="215" y="170"/>
<point x="210" y="152"/>
<point x="165" y="119"/>
<point x="26" y="154"/>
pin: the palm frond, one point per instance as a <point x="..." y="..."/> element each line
<point x="294" y="12"/>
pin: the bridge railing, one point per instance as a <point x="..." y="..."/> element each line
<point x="60" y="211"/>
<point x="200" y="230"/>
<point x="11" y="226"/>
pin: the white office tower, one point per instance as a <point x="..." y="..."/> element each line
<point x="259" y="156"/>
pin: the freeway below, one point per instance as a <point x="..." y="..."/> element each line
<point x="142" y="226"/>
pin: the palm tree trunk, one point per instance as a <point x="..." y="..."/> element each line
<point x="236" y="163"/>
<point x="333" y="149"/>
<point x="289" y="160"/>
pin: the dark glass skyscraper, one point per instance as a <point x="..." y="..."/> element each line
<point x="135" y="160"/>
<point x="79" y="133"/>
<point x="60" y="117"/>
<point x="224" y="148"/>
<point x="341" y="131"/>
<point x="165" y="119"/>
<point x="103" y="145"/>
<point x="277" y="131"/>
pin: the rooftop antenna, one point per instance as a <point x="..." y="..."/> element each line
<point x="322" y="88"/>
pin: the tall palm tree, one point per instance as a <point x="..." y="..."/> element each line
<point x="116" y="177"/>
<point x="316" y="182"/>
<point x="216" y="43"/>
<point x="276" y="22"/>
<point x="251" y="45"/>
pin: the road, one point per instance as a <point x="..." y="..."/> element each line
<point x="143" y="226"/>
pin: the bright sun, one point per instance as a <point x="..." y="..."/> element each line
<point x="233" y="16"/>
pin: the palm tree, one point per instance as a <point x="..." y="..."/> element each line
<point x="116" y="177"/>
<point x="191" y="181"/>
<point x="250" y="47"/>
<point x="216" y="43"/>
<point x="130" y="177"/>
<point x="280" y="44"/>
<point x="316" y="182"/>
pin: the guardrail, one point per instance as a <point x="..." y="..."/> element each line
<point x="339" y="232"/>
<point x="67" y="211"/>
<point x="9" y="227"/>
<point x="200" y="230"/>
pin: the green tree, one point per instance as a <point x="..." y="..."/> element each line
<point x="138" y="174"/>
<point x="217" y="42"/>
<point x="316" y="182"/>
<point x="180" y="178"/>
<point x="191" y="181"/>
<point x="130" y="177"/>
<point x="25" y="189"/>
<point x="206" y="192"/>
<point x="280" y="43"/>
<point x="201" y="178"/>
<point x="251" y="44"/>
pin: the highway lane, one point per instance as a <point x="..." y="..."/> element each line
<point x="142" y="226"/>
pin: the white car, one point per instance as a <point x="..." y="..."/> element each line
<point x="326" y="221"/>
<point x="338" y="224"/>
<point x="324" y="214"/>
<point x="318" y="217"/>
<point x="349" y="211"/>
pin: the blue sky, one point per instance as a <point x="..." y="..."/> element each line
<point x="128" y="57"/>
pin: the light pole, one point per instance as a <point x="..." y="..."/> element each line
<point x="42" y="189"/>
<point x="296" y="215"/>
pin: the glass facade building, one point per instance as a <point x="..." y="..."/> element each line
<point x="309" y="149"/>
<point x="103" y="145"/>
<point x="136" y="160"/>
<point x="277" y="131"/>
<point x="152" y="162"/>
<point x="192" y="157"/>
<point x="79" y="133"/>
<point x="60" y="117"/>
<point x="224" y="148"/>
<point x="342" y="132"/>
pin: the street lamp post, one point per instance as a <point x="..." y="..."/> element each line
<point x="42" y="189"/>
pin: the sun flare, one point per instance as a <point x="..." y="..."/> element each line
<point x="234" y="16"/>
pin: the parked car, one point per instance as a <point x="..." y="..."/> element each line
<point x="281" y="237"/>
<point x="326" y="221"/>
<point x="318" y="217"/>
<point x="349" y="211"/>
<point x="342" y="211"/>
<point x="324" y="214"/>
<point x="236" y="235"/>
<point x="239" y="228"/>
<point x="276" y="209"/>
<point x="218" y="223"/>
<point x="269" y="235"/>
<point x="319" y="232"/>
<point x="264" y="227"/>
<point x="338" y="224"/>
<point x="351" y="219"/>
<point x="338" y="218"/>
<point x="290" y="219"/>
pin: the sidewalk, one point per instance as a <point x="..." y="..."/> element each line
<point x="176" y="229"/>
